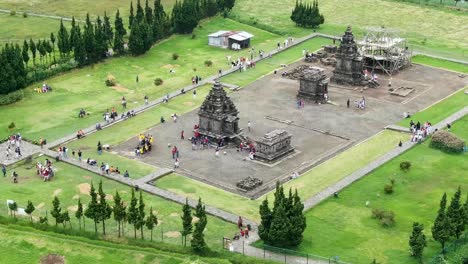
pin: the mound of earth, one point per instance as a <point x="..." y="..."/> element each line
<point x="53" y="259"/>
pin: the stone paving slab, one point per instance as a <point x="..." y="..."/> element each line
<point x="161" y="172"/>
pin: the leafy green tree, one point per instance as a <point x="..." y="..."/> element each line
<point x="119" y="210"/>
<point x="187" y="226"/>
<point x="92" y="211"/>
<point x="30" y="209"/>
<point x="25" y="52"/>
<point x="417" y="241"/>
<point x="198" y="243"/>
<point x="266" y="217"/>
<point x="63" y="40"/>
<point x="141" y="215"/>
<point x="13" y="208"/>
<point x="32" y="46"/>
<point x="151" y="222"/>
<point x="132" y="215"/>
<point x="455" y="215"/>
<point x="104" y="209"/>
<point x="56" y="211"/>
<point x="65" y="217"/>
<point x="119" y="34"/>
<point x="107" y="30"/>
<point x="79" y="212"/>
<point x="441" y="228"/>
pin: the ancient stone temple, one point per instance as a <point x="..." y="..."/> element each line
<point x="348" y="69"/>
<point x="218" y="115"/>
<point x="273" y="145"/>
<point x="313" y="85"/>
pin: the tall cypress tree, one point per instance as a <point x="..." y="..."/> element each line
<point x="79" y="48"/>
<point x="56" y="211"/>
<point x="148" y="14"/>
<point x="63" y="40"/>
<point x="79" y="212"/>
<point x="52" y="39"/>
<point x="141" y="215"/>
<point x="131" y="18"/>
<point x="198" y="243"/>
<point x="100" y="40"/>
<point x="32" y="46"/>
<point x="30" y="209"/>
<point x="441" y="228"/>
<point x="266" y="217"/>
<point x="92" y="211"/>
<point x="104" y="210"/>
<point x="73" y="33"/>
<point x="151" y="222"/>
<point x="297" y="220"/>
<point x="119" y="211"/>
<point x="119" y="34"/>
<point x="417" y="241"/>
<point x="140" y="14"/>
<point x="280" y="226"/>
<point x="107" y="30"/>
<point x="186" y="221"/>
<point x="455" y="215"/>
<point x="132" y="215"/>
<point x="89" y="41"/>
<point x="25" y="52"/>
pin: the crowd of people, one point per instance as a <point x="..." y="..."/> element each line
<point x="420" y="131"/>
<point x="44" y="89"/>
<point x="145" y="142"/>
<point x="46" y="171"/>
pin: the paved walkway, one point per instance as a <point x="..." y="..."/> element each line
<point x="324" y="194"/>
<point x="27" y="149"/>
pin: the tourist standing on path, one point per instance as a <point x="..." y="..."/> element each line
<point x="146" y="100"/>
<point x="182" y="135"/>
<point x="347" y="103"/>
<point x="220" y="72"/>
<point x="194" y="94"/>
<point x="248" y="125"/>
<point x="124" y="102"/>
<point x="176" y="164"/>
<point x="239" y="222"/>
<point x="4" y="171"/>
<point x="99" y="148"/>
<point x="174" y="152"/>
<point x="79" y="155"/>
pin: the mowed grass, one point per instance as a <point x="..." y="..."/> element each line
<point x="17" y="28"/>
<point x="439" y="63"/>
<point x="53" y="115"/>
<point x="440" y="110"/>
<point x="436" y="29"/>
<point x="343" y="227"/>
<point x="69" y="8"/>
<point x="72" y="183"/>
<point x="27" y="245"/>
<point x="268" y="65"/>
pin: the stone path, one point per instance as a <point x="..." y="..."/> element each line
<point x="324" y="194"/>
<point x="27" y="149"/>
<point x="161" y="172"/>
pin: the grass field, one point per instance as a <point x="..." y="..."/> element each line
<point x="85" y="88"/>
<point x="438" y="63"/>
<point x="439" y="30"/>
<point x="344" y="226"/>
<point x="440" y="110"/>
<point x="72" y="183"/>
<point x="69" y="8"/>
<point x="17" y="28"/>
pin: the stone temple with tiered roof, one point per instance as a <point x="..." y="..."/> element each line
<point x="349" y="63"/>
<point x="218" y="115"/>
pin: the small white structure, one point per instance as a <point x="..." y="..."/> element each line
<point x="235" y="40"/>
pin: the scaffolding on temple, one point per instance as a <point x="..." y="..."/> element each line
<point x="384" y="50"/>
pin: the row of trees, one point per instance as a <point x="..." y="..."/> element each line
<point x="99" y="211"/>
<point x="450" y="223"/>
<point x="307" y="15"/>
<point x="284" y="224"/>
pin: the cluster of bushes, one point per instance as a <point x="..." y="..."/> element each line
<point x="158" y="81"/>
<point x="386" y="218"/>
<point x="11" y="97"/>
<point x="111" y="81"/>
<point x="447" y="142"/>
<point x="307" y="15"/>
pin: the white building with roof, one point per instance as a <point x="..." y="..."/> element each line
<point x="235" y="40"/>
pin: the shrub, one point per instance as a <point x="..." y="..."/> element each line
<point x="388" y="188"/>
<point x="194" y="36"/>
<point x="386" y="218"/>
<point x="208" y="63"/>
<point x="25" y="15"/>
<point x="447" y="142"/>
<point x="13" y="13"/>
<point x="11" y="126"/>
<point x="11" y="97"/>
<point x="175" y="56"/>
<point x="111" y="81"/>
<point x="405" y="165"/>
<point x="158" y="81"/>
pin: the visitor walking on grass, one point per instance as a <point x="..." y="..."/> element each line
<point x="146" y="100"/>
<point x="4" y="171"/>
<point x="124" y="102"/>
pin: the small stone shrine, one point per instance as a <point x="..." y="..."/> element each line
<point x="249" y="183"/>
<point x="273" y="145"/>
<point x="348" y="69"/>
<point x="313" y="85"/>
<point x="218" y="115"/>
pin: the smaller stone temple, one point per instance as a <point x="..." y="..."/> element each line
<point x="218" y="115"/>
<point x="349" y="63"/>
<point x="274" y="145"/>
<point x="313" y="85"/>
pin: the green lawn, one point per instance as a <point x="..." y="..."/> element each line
<point x="17" y="28"/>
<point x="446" y="30"/>
<point x="267" y="66"/>
<point x="440" y="110"/>
<point x="438" y="63"/>
<point x="72" y="183"/>
<point x="344" y="226"/>
<point x="27" y="245"/>
<point x="53" y="115"/>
